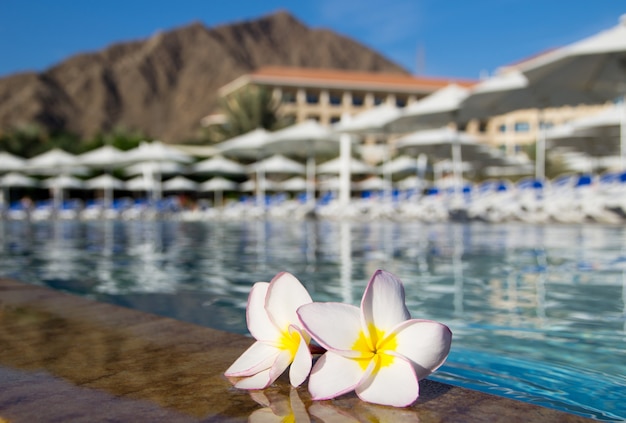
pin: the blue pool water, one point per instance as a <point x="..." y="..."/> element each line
<point x="538" y="312"/>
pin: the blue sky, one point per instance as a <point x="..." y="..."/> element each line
<point x="462" y="39"/>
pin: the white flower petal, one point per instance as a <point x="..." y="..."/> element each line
<point x="259" y="356"/>
<point x="285" y="294"/>
<point x="260" y="325"/>
<point x="260" y="380"/>
<point x="302" y="362"/>
<point x="333" y="375"/>
<point x="280" y="365"/>
<point x="424" y="342"/>
<point x="394" y="384"/>
<point x="335" y="326"/>
<point x="383" y="302"/>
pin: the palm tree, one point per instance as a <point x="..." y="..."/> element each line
<point x="245" y="110"/>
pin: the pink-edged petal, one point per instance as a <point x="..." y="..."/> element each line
<point x="302" y="362"/>
<point x="383" y="302"/>
<point x="333" y="375"/>
<point x="335" y="326"/>
<point x="425" y="343"/>
<point x="284" y="295"/>
<point x="260" y="325"/>
<point x="280" y="365"/>
<point x="265" y="378"/>
<point x="259" y="356"/>
<point x="259" y="380"/>
<point x="393" y="384"/>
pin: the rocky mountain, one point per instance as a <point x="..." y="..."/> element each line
<point x="164" y="85"/>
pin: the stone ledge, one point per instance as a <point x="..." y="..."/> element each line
<point x="66" y="358"/>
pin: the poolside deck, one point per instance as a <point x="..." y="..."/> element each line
<point x="66" y="358"/>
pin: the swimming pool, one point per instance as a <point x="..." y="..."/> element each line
<point x="538" y="312"/>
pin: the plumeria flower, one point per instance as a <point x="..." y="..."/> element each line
<point x="280" y="341"/>
<point x="377" y="350"/>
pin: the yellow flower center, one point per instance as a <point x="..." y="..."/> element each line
<point x="290" y="341"/>
<point x="375" y="346"/>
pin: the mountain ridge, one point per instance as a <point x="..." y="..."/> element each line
<point x="163" y="85"/>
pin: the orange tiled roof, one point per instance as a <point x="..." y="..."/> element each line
<point x="301" y="75"/>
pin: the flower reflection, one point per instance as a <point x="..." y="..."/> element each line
<point x="278" y="407"/>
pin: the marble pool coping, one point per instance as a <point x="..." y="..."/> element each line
<point x="67" y="358"/>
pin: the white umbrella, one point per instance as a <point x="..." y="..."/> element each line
<point x="372" y="121"/>
<point x="375" y="121"/>
<point x="295" y="184"/>
<point x="500" y="94"/>
<point x="59" y="183"/>
<point x="105" y="157"/>
<point x="251" y="186"/>
<point x="63" y="182"/>
<point x="157" y="168"/>
<point x="591" y="71"/>
<point x="373" y="183"/>
<point x="150" y="158"/>
<point x="218" y="185"/>
<point x="10" y="162"/>
<point x="54" y="162"/>
<point x="104" y="182"/>
<point x="399" y="164"/>
<point x="438" y="109"/>
<point x="179" y="183"/>
<point x="356" y="167"/>
<point x="156" y="151"/>
<point x="277" y="164"/>
<point x="446" y="143"/>
<point x="107" y="184"/>
<point x="218" y="165"/>
<point x="249" y="145"/>
<point x="308" y="139"/>
<point x="14" y="179"/>
<point x="597" y="135"/>
<point x="138" y="183"/>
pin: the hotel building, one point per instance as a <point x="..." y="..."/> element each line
<point x="326" y="95"/>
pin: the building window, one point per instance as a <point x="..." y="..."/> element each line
<point x="335" y="119"/>
<point x="312" y="98"/>
<point x="289" y="97"/>
<point x="378" y="99"/>
<point x="546" y="125"/>
<point x="357" y="99"/>
<point x="522" y="127"/>
<point x="335" y="99"/>
<point x="313" y="117"/>
<point x="401" y="101"/>
<point x="502" y="128"/>
<point x="482" y="126"/>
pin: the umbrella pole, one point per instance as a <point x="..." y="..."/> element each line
<point x="623" y="135"/>
<point x="310" y="180"/>
<point x="540" y="159"/>
<point x="457" y="162"/>
<point x="344" y="171"/>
